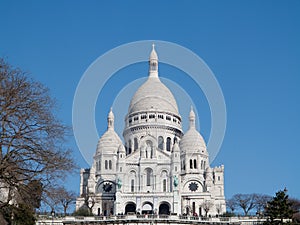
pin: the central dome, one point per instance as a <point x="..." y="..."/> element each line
<point x="153" y="95"/>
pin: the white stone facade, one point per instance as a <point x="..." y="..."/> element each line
<point x="158" y="170"/>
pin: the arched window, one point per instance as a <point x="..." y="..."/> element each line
<point x="132" y="185"/>
<point x="164" y="185"/>
<point x="160" y="143"/>
<point x="148" y="177"/>
<point x="201" y="165"/>
<point x="168" y="144"/>
<point x="106" y="164"/>
<point x="195" y="164"/>
<point x="110" y="164"/>
<point x="97" y="166"/>
<point x="129" y="146"/>
<point x="191" y="164"/>
<point x="135" y="144"/>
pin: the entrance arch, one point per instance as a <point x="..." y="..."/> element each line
<point x="147" y="208"/>
<point x="130" y="208"/>
<point x="164" y="208"/>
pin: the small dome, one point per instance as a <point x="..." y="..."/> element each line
<point x="153" y="95"/>
<point x="109" y="142"/>
<point x="193" y="141"/>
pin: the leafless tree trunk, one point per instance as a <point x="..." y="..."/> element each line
<point x="207" y="205"/>
<point x="31" y="138"/>
<point x="245" y="201"/>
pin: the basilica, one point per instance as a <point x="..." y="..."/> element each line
<point x="158" y="169"/>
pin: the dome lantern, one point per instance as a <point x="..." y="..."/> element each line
<point x="192" y="118"/>
<point x="110" y="120"/>
<point x="153" y="63"/>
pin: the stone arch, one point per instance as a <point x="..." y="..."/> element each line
<point x="147" y="208"/>
<point x="164" y="208"/>
<point x="130" y="207"/>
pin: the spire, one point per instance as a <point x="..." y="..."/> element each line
<point x="110" y="120"/>
<point x="153" y="63"/>
<point x="192" y="118"/>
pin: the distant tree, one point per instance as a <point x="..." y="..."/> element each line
<point x="296" y="209"/>
<point x="231" y="204"/>
<point x="261" y="202"/>
<point x="279" y="208"/>
<point x="206" y="206"/>
<point x="66" y="198"/>
<point x="58" y="198"/>
<point x="245" y="201"/>
<point x="31" y="138"/>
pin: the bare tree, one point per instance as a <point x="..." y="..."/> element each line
<point x="245" y="201"/>
<point x="206" y="206"/>
<point x="66" y="198"/>
<point x="58" y="198"/>
<point x="231" y="204"/>
<point x="261" y="201"/>
<point x="89" y="201"/>
<point x="31" y="138"/>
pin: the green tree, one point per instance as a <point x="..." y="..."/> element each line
<point x="279" y="208"/>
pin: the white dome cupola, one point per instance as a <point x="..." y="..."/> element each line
<point x="110" y="141"/>
<point x="192" y="141"/>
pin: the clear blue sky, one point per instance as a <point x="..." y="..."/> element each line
<point x="251" y="46"/>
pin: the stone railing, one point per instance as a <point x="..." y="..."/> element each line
<point x="161" y="219"/>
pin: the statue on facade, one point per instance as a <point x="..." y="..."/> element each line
<point x="119" y="183"/>
<point x="175" y="181"/>
<point x="149" y="151"/>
